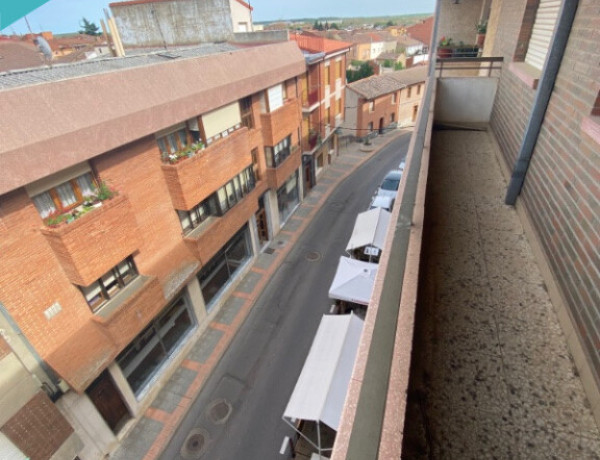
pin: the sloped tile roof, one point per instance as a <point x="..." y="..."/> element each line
<point x="16" y="55"/>
<point x="378" y="85"/>
<point x="422" y="31"/>
<point x="314" y="44"/>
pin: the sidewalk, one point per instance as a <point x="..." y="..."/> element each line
<point x="155" y="427"/>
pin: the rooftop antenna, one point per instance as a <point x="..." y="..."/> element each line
<point x="28" y="26"/>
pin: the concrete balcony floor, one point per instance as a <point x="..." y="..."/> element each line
<point x="491" y="374"/>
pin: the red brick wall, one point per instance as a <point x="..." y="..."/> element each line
<point x="93" y="244"/>
<point x="383" y="108"/>
<point x="194" y="179"/>
<point x="277" y="176"/>
<point x="561" y="190"/>
<point x="222" y="229"/>
<point x="281" y="123"/>
<point x="38" y="429"/>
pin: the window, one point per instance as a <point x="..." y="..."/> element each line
<point x="111" y="283"/>
<point x="370" y="126"/>
<point x="409" y="90"/>
<point x="254" y="155"/>
<point x="327" y="75"/>
<point x="339" y="106"/>
<point x="372" y="106"/>
<point x="338" y="66"/>
<point x="392" y="117"/>
<point x="65" y="196"/>
<point x="174" y="142"/>
<point x="246" y="111"/>
<point x="219" y="202"/>
<point x="278" y="153"/>
<point x="393" y="98"/>
<point x="224" y="265"/>
<point x="143" y="358"/>
<point x="275" y="97"/>
<point x="541" y="34"/>
<point x="418" y="90"/>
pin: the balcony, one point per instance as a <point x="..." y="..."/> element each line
<point x="206" y="240"/>
<point x="91" y="245"/>
<point x="310" y="101"/>
<point x="278" y="175"/>
<point x="280" y="123"/>
<point x="193" y="179"/>
<point x="462" y="355"/>
<point x="131" y="310"/>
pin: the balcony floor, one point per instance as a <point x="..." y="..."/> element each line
<point x="491" y="375"/>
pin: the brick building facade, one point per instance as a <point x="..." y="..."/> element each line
<point x="323" y="101"/>
<point x="128" y="212"/>
<point x="384" y="101"/>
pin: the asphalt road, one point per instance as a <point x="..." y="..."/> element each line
<point x="258" y="372"/>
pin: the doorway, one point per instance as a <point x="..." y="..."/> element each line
<point x="381" y="125"/>
<point x="106" y="397"/>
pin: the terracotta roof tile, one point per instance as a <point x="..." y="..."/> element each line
<point x="378" y="85"/>
<point x="314" y="44"/>
<point x="422" y="31"/>
<point x="18" y="55"/>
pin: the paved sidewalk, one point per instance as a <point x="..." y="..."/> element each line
<point x="155" y="427"/>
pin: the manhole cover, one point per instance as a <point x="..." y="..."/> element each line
<point x="219" y="411"/>
<point x="195" y="444"/>
<point x="313" y="256"/>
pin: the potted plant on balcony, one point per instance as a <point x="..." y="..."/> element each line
<point x="445" y="48"/>
<point x="464" y="50"/>
<point x="481" y="29"/>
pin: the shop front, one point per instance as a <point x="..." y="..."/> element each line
<point x="288" y="197"/>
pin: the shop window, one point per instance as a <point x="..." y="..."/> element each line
<point x="110" y="284"/>
<point x="144" y="357"/>
<point x="215" y="275"/>
<point x="65" y="196"/>
<point x="288" y="197"/>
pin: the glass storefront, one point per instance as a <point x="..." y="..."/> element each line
<point x="150" y="350"/>
<point x="215" y="275"/>
<point x="288" y="197"/>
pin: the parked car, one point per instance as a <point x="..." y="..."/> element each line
<point x="382" y="201"/>
<point x="390" y="184"/>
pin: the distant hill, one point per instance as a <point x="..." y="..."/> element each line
<point x="404" y="19"/>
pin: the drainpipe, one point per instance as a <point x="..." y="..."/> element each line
<point x="542" y="98"/>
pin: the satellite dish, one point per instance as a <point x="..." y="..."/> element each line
<point x="44" y="47"/>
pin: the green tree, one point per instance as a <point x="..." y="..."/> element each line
<point x="398" y="66"/>
<point x="390" y="23"/>
<point x="334" y="26"/>
<point x="387" y="63"/>
<point x="365" y="70"/>
<point x="318" y="25"/>
<point x="89" y="28"/>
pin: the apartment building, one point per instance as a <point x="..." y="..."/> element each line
<point x="322" y="95"/>
<point x="380" y="102"/>
<point x="133" y="193"/>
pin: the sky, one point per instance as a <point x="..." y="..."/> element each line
<point x="63" y="16"/>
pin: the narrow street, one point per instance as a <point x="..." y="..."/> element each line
<point x="258" y="372"/>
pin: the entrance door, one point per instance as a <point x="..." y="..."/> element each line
<point x="381" y="125"/>
<point x="261" y="222"/>
<point x="307" y="177"/>
<point x="107" y="399"/>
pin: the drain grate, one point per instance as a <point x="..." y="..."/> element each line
<point x="219" y="411"/>
<point x="195" y="444"/>
<point x="313" y="256"/>
<point x="268" y="250"/>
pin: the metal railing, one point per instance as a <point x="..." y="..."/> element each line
<point x="483" y="65"/>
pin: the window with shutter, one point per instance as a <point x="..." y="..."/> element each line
<point x="541" y="34"/>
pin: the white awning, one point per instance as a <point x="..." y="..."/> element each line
<point x="321" y="388"/>
<point x="353" y="281"/>
<point x="369" y="229"/>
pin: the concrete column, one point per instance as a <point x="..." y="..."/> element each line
<point x="254" y="236"/>
<point x="97" y="437"/>
<point x="272" y="211"/>
<point x="123" y="386"/>
<point x="196" y="299"/>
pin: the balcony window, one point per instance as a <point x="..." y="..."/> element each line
<point x="273" y="98"/>
<point x="246" y="111"/>
<point x="110" y="284"/>
<point x="173" y="142"/>
<point x="278" y="153"/>
<point x="65" y="196"/>
<point x="219" y="202"/>
<point x="221" y="122"/>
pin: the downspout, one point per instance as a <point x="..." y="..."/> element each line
<point x="542" y="99"/>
